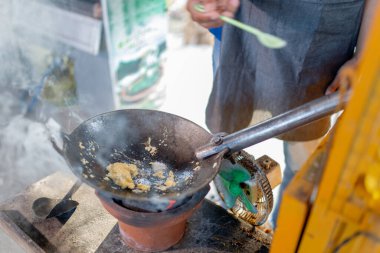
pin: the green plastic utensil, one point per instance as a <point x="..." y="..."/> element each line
<point x="265" y="39"/>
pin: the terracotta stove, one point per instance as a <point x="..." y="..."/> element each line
<point x="152" y="231"/>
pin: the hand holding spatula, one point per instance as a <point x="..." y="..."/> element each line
<point x="265" y="39"/>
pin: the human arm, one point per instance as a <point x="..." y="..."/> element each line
<point x="369" y="10"/>
<point x="213" y="9"/>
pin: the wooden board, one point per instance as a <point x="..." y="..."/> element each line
<point x="91" y="229"/>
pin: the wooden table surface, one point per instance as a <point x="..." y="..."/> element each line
<point x="92" y="229"/>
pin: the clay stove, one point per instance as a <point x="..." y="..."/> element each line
<point x="152" y="231"/>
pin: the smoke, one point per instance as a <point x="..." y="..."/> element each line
<point x="26" y="153"/>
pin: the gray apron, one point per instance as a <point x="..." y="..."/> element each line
<point x="254" y="83"/>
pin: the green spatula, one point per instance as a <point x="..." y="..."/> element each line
<point x="265" y="39"/>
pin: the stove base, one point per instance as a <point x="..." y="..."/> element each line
<point x="149" y="231"/>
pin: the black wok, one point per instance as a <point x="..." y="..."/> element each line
<point x="122" y="136"/>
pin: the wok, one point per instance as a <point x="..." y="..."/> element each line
<point x="192" y="153"/>
<point x="122" y="136"/>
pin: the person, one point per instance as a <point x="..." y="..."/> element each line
<point x="253" y="83"/>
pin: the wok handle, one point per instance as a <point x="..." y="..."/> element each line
<point x="56" y="135"/>
<point x="275" y="126"/>
<point x="53" y="141"/>
<point x="73" y="189"/>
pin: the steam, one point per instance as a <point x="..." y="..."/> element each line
<point x="26" y="153"/>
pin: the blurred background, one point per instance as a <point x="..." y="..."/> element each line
<point x="64" y="61"/>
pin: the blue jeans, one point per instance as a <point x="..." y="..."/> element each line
<point x="286" y="178"/>
<point x="215" y="55"/>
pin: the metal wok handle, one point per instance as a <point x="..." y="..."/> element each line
<point x="275" y="126"/>
<point x="56" y="146"/>
<point x="56" y="135"/>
